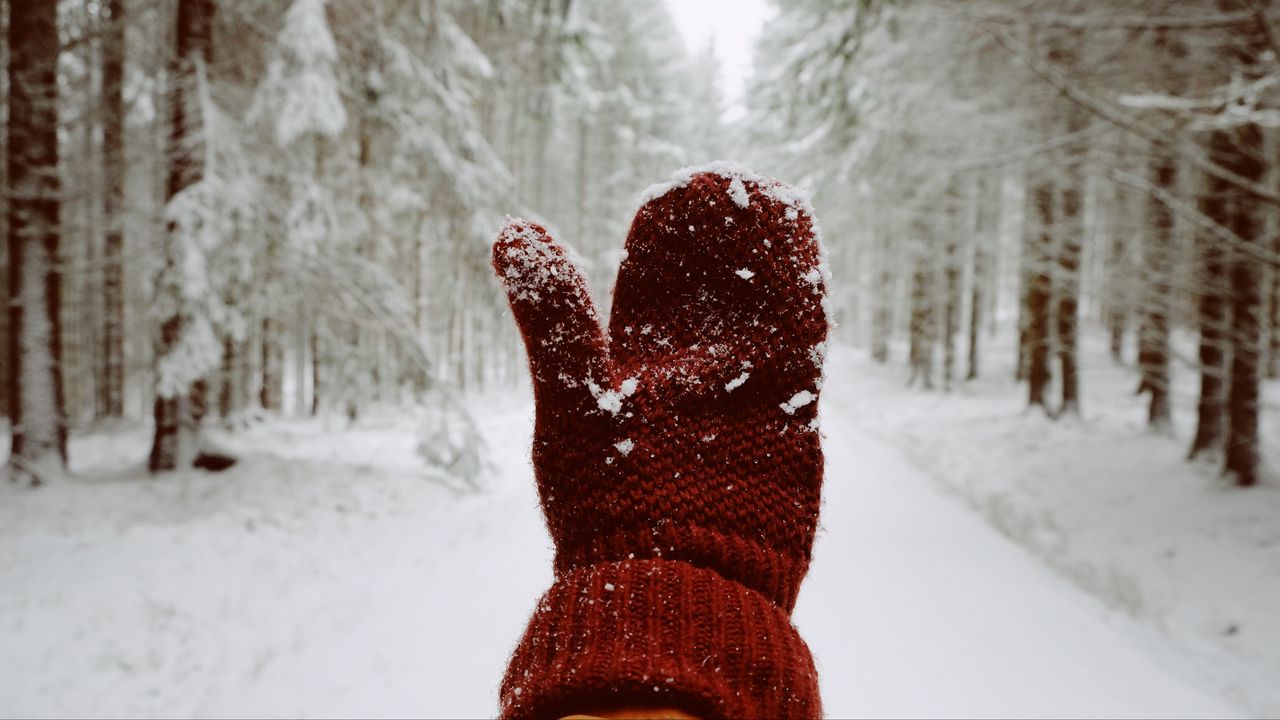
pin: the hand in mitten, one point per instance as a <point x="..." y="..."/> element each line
<point x="677" y="458"/>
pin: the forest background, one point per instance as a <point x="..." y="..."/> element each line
<point x="222" y="215"/>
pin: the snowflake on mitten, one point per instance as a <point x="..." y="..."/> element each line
<point x="687" y="435"/>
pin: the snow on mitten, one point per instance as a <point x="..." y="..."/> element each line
<point x="677" y="458"/>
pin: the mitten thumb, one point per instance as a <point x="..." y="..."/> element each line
<point x="562" y="333"/>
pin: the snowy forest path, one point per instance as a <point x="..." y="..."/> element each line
<point x="916" y="607"/>
<point x="322" y="576"/>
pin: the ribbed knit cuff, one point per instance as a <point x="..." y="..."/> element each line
<point x="659" y="633"/>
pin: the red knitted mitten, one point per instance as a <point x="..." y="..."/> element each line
<point x="678" y="460"/>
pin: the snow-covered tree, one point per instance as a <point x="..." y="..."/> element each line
<point x="1105" y="169"/>
<point x="302" y="221"/>
<point x="36" y="413"/>
<point x="188" y="347"/>
<point x="111" y="387"/>
<point x="300" y="93"/>
<point x="210" y="208"/>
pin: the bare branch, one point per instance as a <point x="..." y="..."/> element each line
<point x="1028" y="152"/>
<point x="1260" y="15"/>
<point x="1124" y="22"/>
<point x="1199" y="219"/>
<point x="1175" y="145"/>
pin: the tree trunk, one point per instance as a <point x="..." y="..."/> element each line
<point x="985" y="231"/>
<point x="1117" y="272"/>
<point x="1153" y="341"/>
<point x="111" y="384"/>
<point x="1212" y="308"/>
<point x="882" y="318"/>
<point x="975" y="310"/>
<point x="272" y="393"/>
<point x="1069" y="236"/>
<point x="4" y="218"/>
<point x="1023" y="360"/>
<point x="922" y="319"/>
<point x="316" y="362"/>
<point x="1040" y="295"/>
<point x="1241" y="151"/>
<point x="39" y="448"/>
<point x="951" y="286"/>
<point x="301" y="347"/>
<point x="1273" y="314"/>
<point x="228" y="380"/>
<point x="359" y="377"/>
<point x="1070" y="232"/>
<point x="584" y="182"/>
<point x="1242" y="455"/>
<point x="177" y="415"/>
<point x="1117" y="323"/>
<point x="1272" y="276"/>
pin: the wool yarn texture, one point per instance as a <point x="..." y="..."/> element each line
<point x="677" y="455"/>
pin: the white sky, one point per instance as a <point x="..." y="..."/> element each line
<point x="734" y="25"/>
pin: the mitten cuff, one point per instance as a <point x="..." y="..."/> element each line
<point x="659" y="633"/>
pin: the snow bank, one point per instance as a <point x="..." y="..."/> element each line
<point x="916" y="607"/>
<point x="323" y="576"/>
<point x="1107" y="504"/>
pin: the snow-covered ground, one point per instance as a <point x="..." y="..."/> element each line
<point x="1111" y="506"/>
<point x="324" y="576"/>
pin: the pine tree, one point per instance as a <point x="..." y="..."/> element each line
<point x="186" y="337"/>
<point x="1211" y="309"/>
<point x="1118" y="249"/>
<point x="1153" y="333"/>
<point x="923" y="310"/>
<point x="1039" y="291"/>
<point x="1242" y="453"/>
<point x="1069" y="235"/>
<point x="1158" y="256"/>
<point x="300" y="98"/>
<point x="5" y="384"/>
<point x="882" y="320"/>
<point x="39" y="446"/>
<point x="39" y="449"/>
<point x="271" y="382"/>
<point x="111" y="385"/>
<point x="952" y="298"/>
<point x="986" y="213"/>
